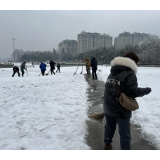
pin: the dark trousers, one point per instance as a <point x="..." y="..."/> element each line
<point x="16" y="72"/>
<point x="52" y="70"/>
<point x="22" y="70"/>
<point x="43" y="72"/>
<point x="94" y="75"/>
<point x="88" y="71"/>
<point x="58" y="69"/>
<point x="124" y="131"/>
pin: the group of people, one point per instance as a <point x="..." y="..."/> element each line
<point x="92" y="64"/>
<point x="42" y="66"/>
<point x="52" y="67"/>
<point x="16" y="69"/>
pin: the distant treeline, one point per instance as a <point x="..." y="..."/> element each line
<point x="148" y="52"/>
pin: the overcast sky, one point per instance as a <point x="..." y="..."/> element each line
<point x="42" y="30"/>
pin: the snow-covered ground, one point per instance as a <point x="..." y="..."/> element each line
<point x="148" y="115"/>
<point x="50" y="112"/>
<point x="43" y="112"/>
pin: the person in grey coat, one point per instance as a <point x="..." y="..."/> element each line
<point x="23" y="67"/>
<point x="125" y="69"/>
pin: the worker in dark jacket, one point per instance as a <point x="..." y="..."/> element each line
<point x="15" y="70"/>
<point x="43" y="68"/>
<point x="58" y="67"/>
<point x="125" y="69"/>
<point x="52" y="65"/>
<point x="23" y="66"/>
<point x="94" y="67"/>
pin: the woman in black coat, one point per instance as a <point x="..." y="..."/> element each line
<point x="125" y="69"/>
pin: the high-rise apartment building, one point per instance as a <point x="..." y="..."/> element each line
<point x="139" y="37"/>
<point x="87" y="41"/>
<point x="127" y="38"/>
<point x="68" y="46"/>
<point x="90" y="41"/>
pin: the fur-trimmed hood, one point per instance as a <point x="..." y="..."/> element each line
<point x="124" y="61"/>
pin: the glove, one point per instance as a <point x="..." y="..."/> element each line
<point x="147" y="90"/>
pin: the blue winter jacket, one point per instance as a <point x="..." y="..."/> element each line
<point x="42" y="66"/>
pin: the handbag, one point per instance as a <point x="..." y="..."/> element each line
<point x="126" y="101"/>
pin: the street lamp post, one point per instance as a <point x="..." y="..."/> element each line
<point x="13" y="44"/>
<point x="13" y="49"/>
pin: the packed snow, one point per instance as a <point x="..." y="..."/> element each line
<point x="50" y="112"/>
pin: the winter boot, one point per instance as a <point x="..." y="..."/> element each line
<point x="107" y="147"/>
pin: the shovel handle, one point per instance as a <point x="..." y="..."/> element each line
<point x="77" y="67"/>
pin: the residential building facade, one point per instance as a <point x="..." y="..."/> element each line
<point x="68" y="46"/>
<point x="87" y="41"/>
<point x="130" y="39"/>
<point x="90" y="41"/>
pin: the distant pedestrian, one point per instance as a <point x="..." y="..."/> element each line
<point x="94" y="67"/>
<point x="15" y="70"/>
<point x="43" y="68"/>
<point x="32" y="64"/>
<point x="23" y="66"/>
<point x="125" y="69"/>
<point x="87" y="61"/>
<point x="58" y="67"/>
<point x="52" y="66"/>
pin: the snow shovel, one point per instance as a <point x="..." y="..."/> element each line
<point x="26" y="71"/>
<point x="82" y="68"/>
<point x="77" y="67"/>
<point x="47" y="73"/>
<point x="97" y="116"/>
